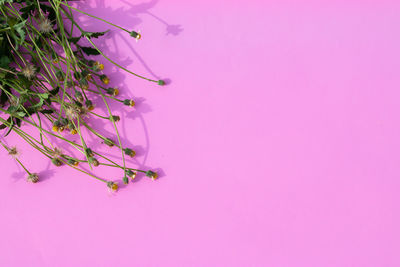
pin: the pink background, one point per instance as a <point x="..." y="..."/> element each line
<point x="278" y="141"/>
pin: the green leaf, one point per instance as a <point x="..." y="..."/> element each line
<point x="44" y="95"/>
<point x="94" y="34"/>
<point x="20" y="114"/>
<point x="4" y="61"/>
<point x="21" y="32"/>
<point x="38" y="105"/>
<point x="2" y="2"/>
<point x="74" y="39"/>
<point x="11" y="121"/>
<point x="90" y="50"/>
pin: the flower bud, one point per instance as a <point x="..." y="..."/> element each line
<point x="73" y="162"/>
<point x="152" y="175"/>
<point x="94" y="161"/>
<point x="89" y="104"/>
<point x="129" y="102"/>
<point x="112" y="91"/>
<point x="104" y="79"/>
<point x="84" y="84"/>
<point x="135" y="35"/>
<point x="89" y="152"/>
<point x="56" y="162"/>
<point x="109" y="142"/>
<point x="56" y="126"/>
<point x="115" y="118"/>
<point x="125" y="180"/>
<point x="129" y="152"/>
<point x="131" y="174"/>
<point x="79" y="96"/>
<point x="113" y="186"/>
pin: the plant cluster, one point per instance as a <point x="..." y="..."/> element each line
<point x="48" y="77"/>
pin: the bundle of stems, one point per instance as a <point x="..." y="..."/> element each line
<point x="47" y="77"/>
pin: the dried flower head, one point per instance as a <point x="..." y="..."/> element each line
<point x="33" y="178"/>
<point x="29" y="71"/>
<point x="13" y="152"/>
<point x="72" y="111"/>
<point x="45" y="25"/>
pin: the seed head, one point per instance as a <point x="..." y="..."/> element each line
<point x="33" y="178"/>
<point x="29" y="71"/>
<point x="45" y="26"/>
<point x="13" y="152"/>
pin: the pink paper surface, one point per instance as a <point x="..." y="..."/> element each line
<point x="277" y="139"/>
